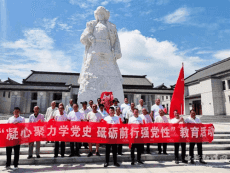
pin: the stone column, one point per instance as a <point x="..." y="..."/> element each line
<point x="42" y="101"/>
<point x="15" y="99"/>
<point x="227" y="86"/>
<point x="66" y="96"/>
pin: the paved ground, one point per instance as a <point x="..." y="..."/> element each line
<point x="215" y="166"/>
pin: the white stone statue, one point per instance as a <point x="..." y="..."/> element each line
<point x="100" y="71"/>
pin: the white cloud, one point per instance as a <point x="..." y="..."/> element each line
<point x="222" y="54"/>
<point x="35" y="52"/>
<point x="162" y="2"/>
<point x="64" y="26"/>
<point x="160" y="61"/>
<point x="204" y="52"/>
<point x="179" y="16"/>
<point x="49" y="23"/>
<point x="92" y="3"/>
<point x="104" y="3"/>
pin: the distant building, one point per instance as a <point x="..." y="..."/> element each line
<point x="207" y="91"/>
<point x="40" y="88"/>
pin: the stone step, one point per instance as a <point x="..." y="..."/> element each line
<point x="221" y="132"/>
<point x="221" y="136"/>
<point x="153" y="148"/>
<point x="48" y="158"/>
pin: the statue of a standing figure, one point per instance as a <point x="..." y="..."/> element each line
<point x="100" y="71"/>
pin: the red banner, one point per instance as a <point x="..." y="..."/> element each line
<point x="15" y="134"/>
<point x="177" y="102"/>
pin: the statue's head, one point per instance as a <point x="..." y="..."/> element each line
<point x="101" y="13"/>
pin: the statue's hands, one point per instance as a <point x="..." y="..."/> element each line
<point x="117" y="56"/>
<point x="91" y="38"/>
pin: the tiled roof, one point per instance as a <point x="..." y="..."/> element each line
<point x="33" y="87"/>
<point x="211" y="70"/>
<point x="72" y="78"/>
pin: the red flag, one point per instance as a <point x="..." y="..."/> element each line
<point x="177" y="102"/>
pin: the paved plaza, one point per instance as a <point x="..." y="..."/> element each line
<point x="213" y="166"/>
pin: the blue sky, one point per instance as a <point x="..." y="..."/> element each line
<point x="156" y="36"/>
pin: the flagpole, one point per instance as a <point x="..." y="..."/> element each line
<point x="182" y="104"/>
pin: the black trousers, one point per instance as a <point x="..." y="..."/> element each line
<point x="148" y="147"/>
<point x="72" y="148"/>
<point x="164" y="147"/>
<point x="139" y="148"/>
<point x="16" y="155"/>
<point x="176" y="150"/>
<point x="199" y="149"/>
<point x="119" y="148"/>
<point x="56" y="148"/>
<point x="108" y="149"/>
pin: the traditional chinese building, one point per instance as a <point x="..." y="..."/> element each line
<point x="41" y="88"/>
<point x="207" y="91"/>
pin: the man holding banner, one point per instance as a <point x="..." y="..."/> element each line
<point x="60" y="116"/>
<point x="179" y="120"/>
<point x="161" y="119"/>
<point x="35" y="117"/>
<point x="75" y="116"/>
<point x="111" y="119"/>
<point x="14" y="119"/>
<point x="194" y="119"/>
<point x="135" y="119"/>
<point x="94" y="116"/>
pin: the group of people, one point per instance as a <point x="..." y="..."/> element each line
<point x="128" y="113"/>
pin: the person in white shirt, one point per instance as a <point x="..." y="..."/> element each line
<point x="69" y="107"/>
<point x="115" y="104"/>
<point x="155" y="109"/>
<point x="179" y="120"/>
<point x="141" y="106"/>
<point x="75" y="116"/>
<point x="50" y="111"/>
<point x="102" y="111"/>
<point x="111" y="119"/>
<point x="146" y="117"/>
<point x="35" y="117"/>
<point x="194" y="119"/>
<point x="84" y="111"/>
<point x="135" y="119"/>
<point x="129" y="113"/>
<point x="120" y="116"/>
<point x="57" y="111"/>
<point x="14" y="119"/>
<point x="161" y="119"/>
<point x="125" y="107"/>
<point x="90" y="105"/>
<point x="94" y="116"/>
<point x="60" y="116"/>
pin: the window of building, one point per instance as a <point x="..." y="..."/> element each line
<point x="162" y="98"/>
<point x="167" y="97"/>
<point x="34" y="96"/>
<point x="223" y="84"/>
<point x="57" y="96"/>
<point x="33" y="104"/>
<point x="9" y="95"/>
<point x="75" y="98"/>
<point x="229" y="98"/>
<point x="143" y="97"/>
<point x="4" y="94"/>
<point x="228" y="84"/>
